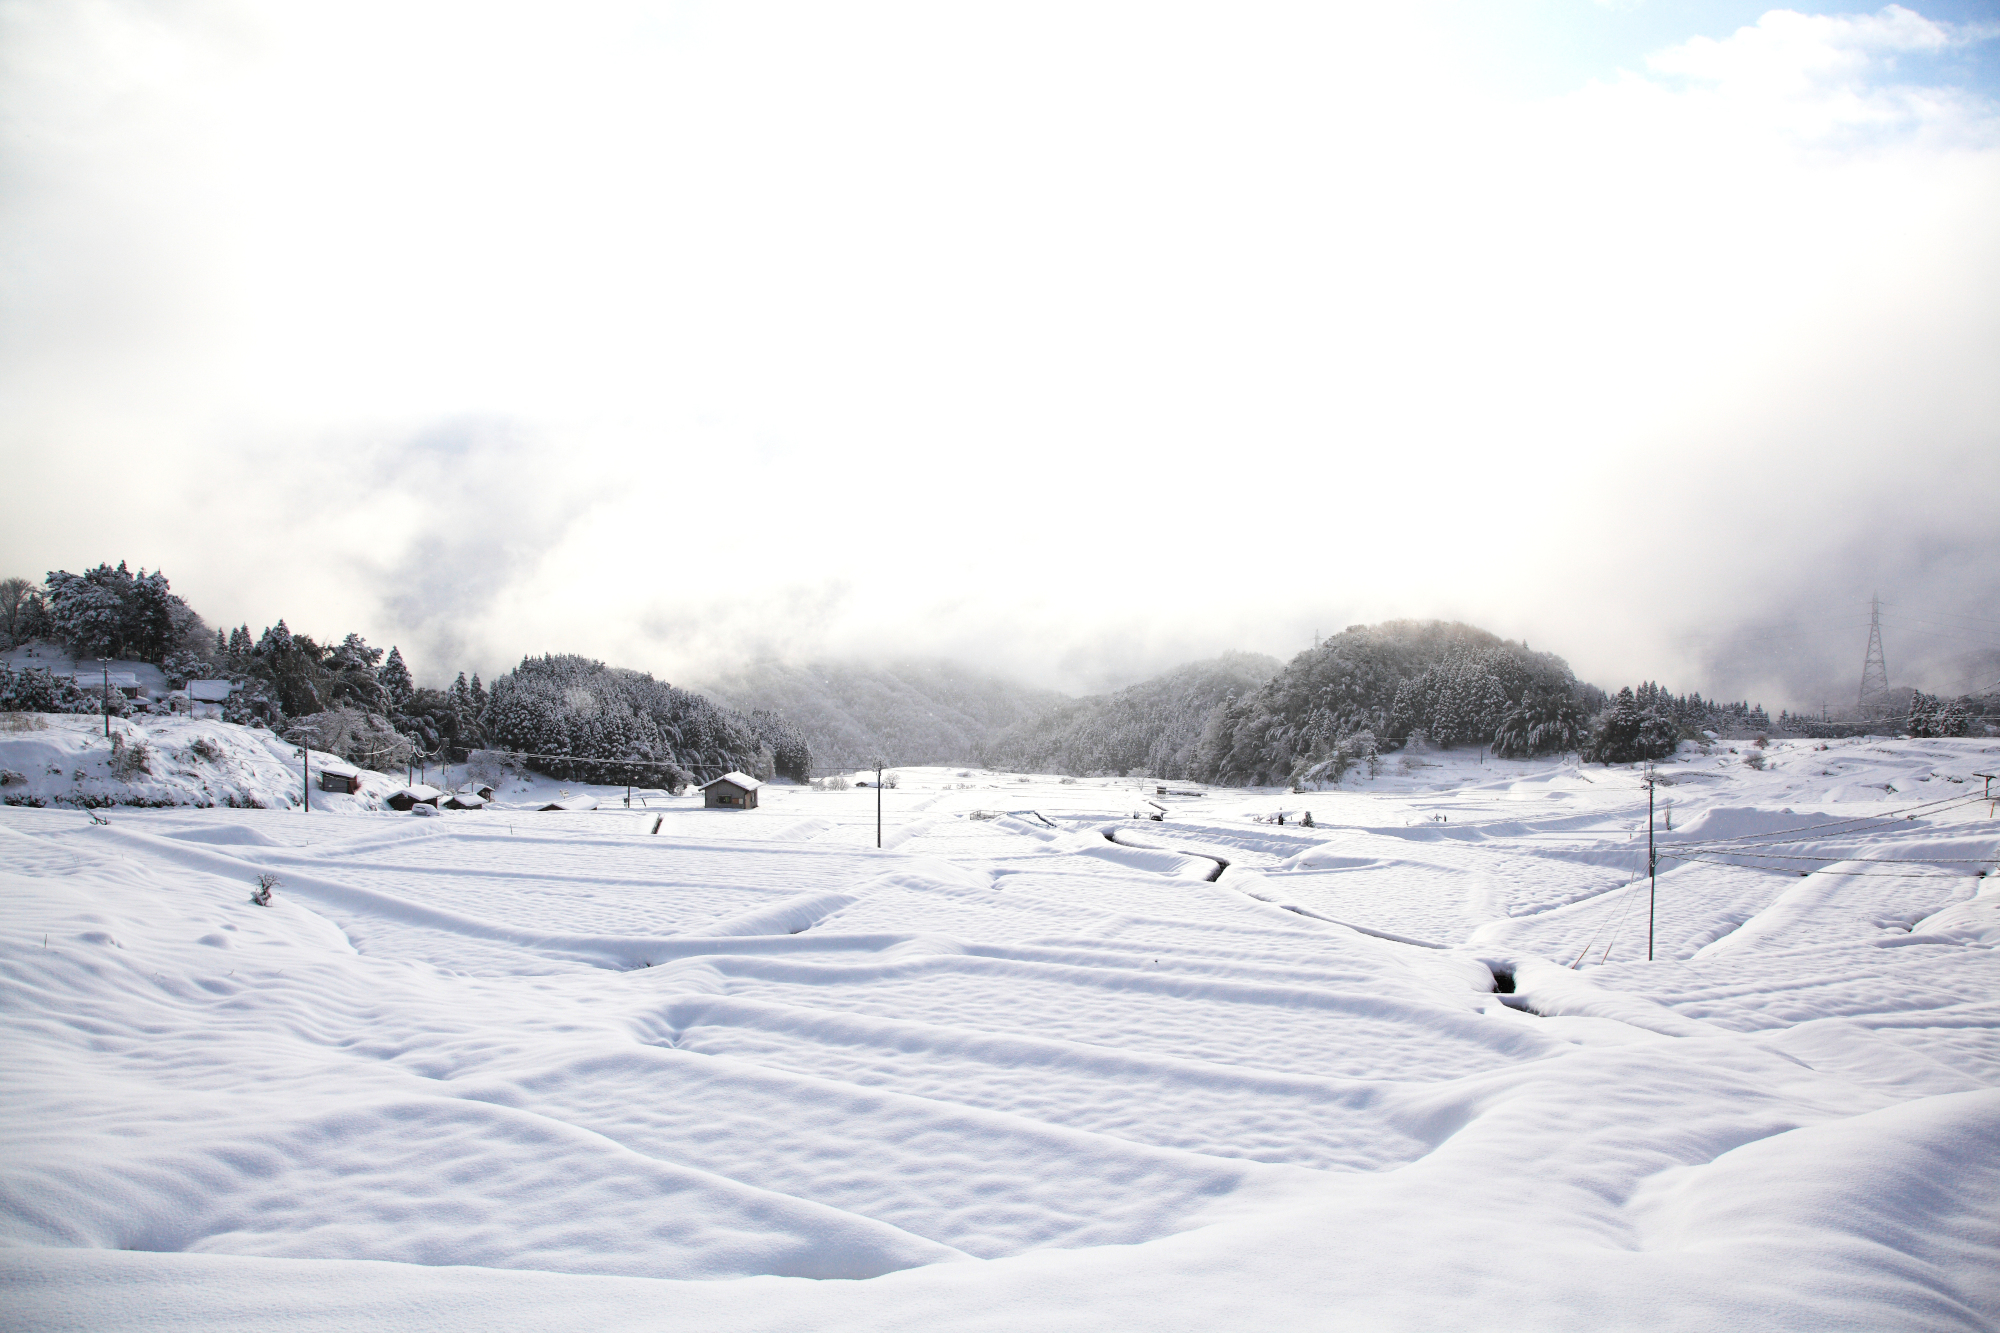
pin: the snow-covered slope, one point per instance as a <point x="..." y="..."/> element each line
<point x="51" y="759"/>
<point x="1036" y="1063"/>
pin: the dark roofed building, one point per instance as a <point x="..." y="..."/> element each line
<point x="731" y="791"/>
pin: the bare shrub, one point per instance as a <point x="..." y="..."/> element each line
<point x="130" y="758"/>
<point x="23" y="722"/>
<point x="265" y="883"/>
<point x="365" y="739"/>
<point x="205" y="749"/>
<point x="832" y="782"/>
<point x="1754" y="759"/>
<point x="486" y="766"/>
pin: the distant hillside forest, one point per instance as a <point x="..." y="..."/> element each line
<point x="1240" y="719"/>
<point x="1154" y="727"/>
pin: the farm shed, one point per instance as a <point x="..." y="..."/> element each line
<point x="335" y="777"/>
<point x="731" y="791"/>
<point x="465" y="800"/>
<point x="414" y="796"/>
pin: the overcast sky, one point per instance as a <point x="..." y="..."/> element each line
<point x="1074" y="340"/>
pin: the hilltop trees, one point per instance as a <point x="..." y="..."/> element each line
<point x="106" y="612"/>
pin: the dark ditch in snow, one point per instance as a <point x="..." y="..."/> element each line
<point x="1111" y="836"/>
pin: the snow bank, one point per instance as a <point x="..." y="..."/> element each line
<point x="61" y="760"/>
<point x="1974" y="921"/>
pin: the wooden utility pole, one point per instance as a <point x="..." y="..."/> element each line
<point x="878" y="803"/>
<point x="1652" y="867"/>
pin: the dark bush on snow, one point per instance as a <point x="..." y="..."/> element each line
<point x="1625" y="733"/>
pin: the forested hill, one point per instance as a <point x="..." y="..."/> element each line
<point x="1153" y="727"/>
<point x="910" y="712"/>
<point x="1376" y="685"/>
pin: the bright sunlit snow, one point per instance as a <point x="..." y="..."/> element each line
<point x="1039" y="1062"/>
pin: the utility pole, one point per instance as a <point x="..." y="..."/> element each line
<point x="1652" y="866"/>
<point x="878" y="803"/>
<point x="105" y="663"/>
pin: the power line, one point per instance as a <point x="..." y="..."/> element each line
<point x="1779" y="835"/>
<point x="1836" y="860"/>
<point x="1960" y="615"/>
<point x="1847" y="874"/>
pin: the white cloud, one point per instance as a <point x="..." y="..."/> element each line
<point x="1827" y="74"/>
<point x="1070" y="338"/>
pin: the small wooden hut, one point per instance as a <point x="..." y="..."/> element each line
<point x="731" y="791"/>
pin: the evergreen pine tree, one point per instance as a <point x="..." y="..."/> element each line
<point x="395" y="678"/>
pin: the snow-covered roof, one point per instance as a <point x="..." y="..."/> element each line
<point x="209" y="691"/>
<point x="420" y="792"/>
<point x="340" y="770"/>
<point x="743" y="780"/>
<point x="120" y="680"/>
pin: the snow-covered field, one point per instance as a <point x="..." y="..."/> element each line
<point x="1034" y="1064"/>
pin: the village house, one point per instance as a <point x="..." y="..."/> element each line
<point x="206" y="697"/>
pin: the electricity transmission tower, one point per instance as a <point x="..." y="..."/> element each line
<point x="1874" y="700"/>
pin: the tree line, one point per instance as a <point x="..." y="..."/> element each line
<point x="582" y="720"/>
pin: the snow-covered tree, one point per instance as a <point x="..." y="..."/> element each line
<point x="20" y="609"/>
<point x="395" y="678"/>
<point x="1932" y="716"/>
<point x="1542" y="723"/>
<point x="1625" y="733"/>
<point x="106" y="612"/>
<point x="39" y="691"/>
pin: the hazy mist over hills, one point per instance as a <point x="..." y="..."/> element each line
<point x="913" y="712"/>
